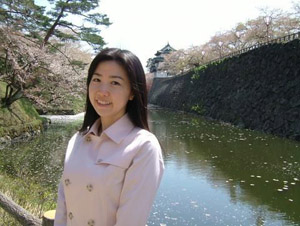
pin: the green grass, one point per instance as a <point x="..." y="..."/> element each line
<point x="19" y="118"/>
<point x="32" y="197"/>
<point x="198" y="108"/>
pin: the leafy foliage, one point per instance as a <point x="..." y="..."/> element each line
<point x="198" y="71"/>
<point x="198" y="109"/>
<point x="40" y="49"/>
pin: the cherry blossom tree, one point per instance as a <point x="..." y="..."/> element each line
<point x="40" y="56"/>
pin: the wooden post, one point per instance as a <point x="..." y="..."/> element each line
<point x="48" y="218"/>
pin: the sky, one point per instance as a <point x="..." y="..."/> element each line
<point x="146" y="26"/>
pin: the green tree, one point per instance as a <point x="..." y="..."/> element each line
<point x="50" y="30"/>
<point x="24" y="16"/>
<point x="83" y="9"/>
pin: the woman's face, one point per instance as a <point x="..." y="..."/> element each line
<point x="109" y="92"/>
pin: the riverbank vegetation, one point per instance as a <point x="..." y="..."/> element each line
<point x="19" y="119"/>
<point x="43" y="66"/>
<point x="270" y="24"/>
<point x="42" y="60"/>
<point x="20" y="191"/>
<point x="29" y="172"/>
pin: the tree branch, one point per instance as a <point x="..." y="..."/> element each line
<point x="69" y="27"/>
<point x="69" y="60"/>
<point x="51" y="30"/>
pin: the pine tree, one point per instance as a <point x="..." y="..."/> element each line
<point x="20" y="59"/>
<point x="33" y="20"/>
<point x="82" y="9"/>
<point x="24" y="16"/>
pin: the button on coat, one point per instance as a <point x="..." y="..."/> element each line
<point x="89" y="187"/>
<point x="88" y="138"/>
<point x="67" y="182"/>
<point x="91" y="223"/>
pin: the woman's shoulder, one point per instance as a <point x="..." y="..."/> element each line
<point x="144" y="134"/>
<point x="75" y="138"/>
<point x="147" y="145"/>
<point x="145" y="137"/>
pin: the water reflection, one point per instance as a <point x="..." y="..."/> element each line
<point x="40" y="159"/>
<point x="218" y="175"/>
<point x="215" y="174"/>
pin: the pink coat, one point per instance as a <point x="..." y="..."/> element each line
<point x="111" y="179"/>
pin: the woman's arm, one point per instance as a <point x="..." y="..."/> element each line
<point x="141" y="182"/>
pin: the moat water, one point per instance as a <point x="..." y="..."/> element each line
<point x="215" y="174"/>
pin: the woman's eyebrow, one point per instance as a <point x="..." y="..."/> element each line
<point x="95" y="73"/>
<point x="111" y="76"/>
<point x="117" y="76"/>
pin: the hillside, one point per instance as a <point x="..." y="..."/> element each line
<point x="21" y="118"/>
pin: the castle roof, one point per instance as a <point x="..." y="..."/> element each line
<point x="167" y="49"/>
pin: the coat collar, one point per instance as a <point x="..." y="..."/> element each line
<point x="117" y="131"/>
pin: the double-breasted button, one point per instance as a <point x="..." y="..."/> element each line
<point x="67" y="182"/>
<point x="89" y="187"/>
<point x="88" y="138"/>
<point x="70" y="215"/>
<point x="91" y="222"/>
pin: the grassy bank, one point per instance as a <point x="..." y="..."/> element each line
<point x="30" y="171"/>
<point x="19" y="118"/>
<point x="32" y="197"/>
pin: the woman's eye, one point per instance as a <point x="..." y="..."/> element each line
<point x="96" y="80"/>
<point x="115" y="83"/>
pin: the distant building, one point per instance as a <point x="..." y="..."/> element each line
<point x="154" y="63"/>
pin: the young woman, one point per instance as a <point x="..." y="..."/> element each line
<point x="113" y="165"/>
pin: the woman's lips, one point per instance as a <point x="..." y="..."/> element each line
<point x="101" y="102"/>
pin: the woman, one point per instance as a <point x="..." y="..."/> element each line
<point x="113" y="165"/>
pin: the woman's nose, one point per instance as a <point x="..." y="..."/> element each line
<point x="103" y="90"/>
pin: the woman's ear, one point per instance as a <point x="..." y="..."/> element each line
<point x="131" y="97"/>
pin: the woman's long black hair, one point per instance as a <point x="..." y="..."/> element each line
<point x="136" y="108"/>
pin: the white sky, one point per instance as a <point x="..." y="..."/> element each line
<point x="145" y="26"/>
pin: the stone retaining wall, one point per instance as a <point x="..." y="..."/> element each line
<point x="258" y="90"/>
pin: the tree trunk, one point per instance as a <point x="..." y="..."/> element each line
<point x="11" y="96"/>
<point x="48" y="218"/>
<point x="51" y="30"/>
